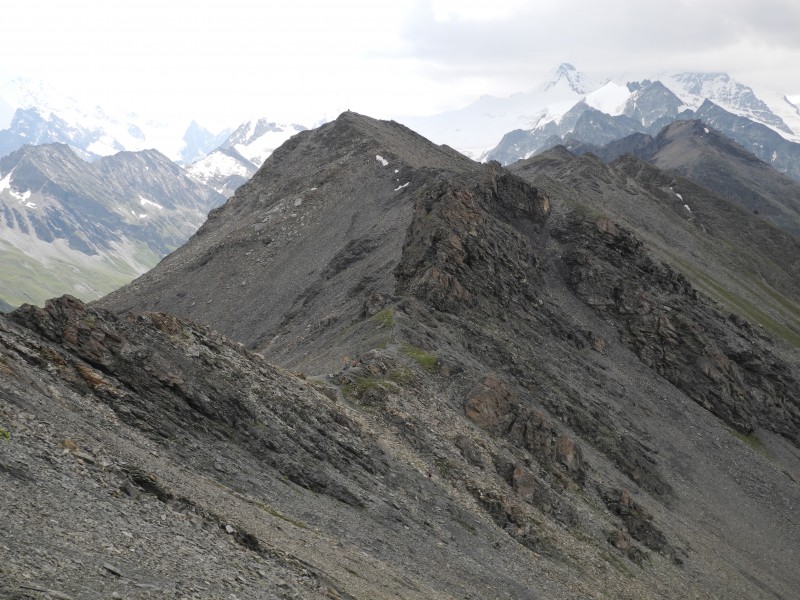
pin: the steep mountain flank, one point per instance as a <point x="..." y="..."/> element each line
<point x="694" y="150"/>
<point x="769" y="146"/>
<point x="502" y="395"/>
<point x="747" y="265"/>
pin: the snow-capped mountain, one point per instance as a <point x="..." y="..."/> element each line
<point x="241" y="154"/>
<point x="69" y="226"/>
<point x="478" y="127"/>
<point x="651" y="103"/>
<point x="223" y="169"/>
<point x="41" y="114"/>
<point x="565" y="75"/>
<point x="614" y="111"/>
<point x="695" y="88"/>
<point x="255" y="140"/>
<point x="497" y="128"/>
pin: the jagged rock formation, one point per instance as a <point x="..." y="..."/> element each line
<point x="531" y="406"/>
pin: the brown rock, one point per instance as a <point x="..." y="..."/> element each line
<point x="598" y="344"/>
<point x="524" y="483"/>
<point x="606" y="225"/>
<point x="620" y="540"/>
<point x="491" y="404"/>
<point x="569" y="454"/>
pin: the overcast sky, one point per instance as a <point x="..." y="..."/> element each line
<point x="220" y="62"/>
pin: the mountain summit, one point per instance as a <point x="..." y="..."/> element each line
<point x="568" y="76"/>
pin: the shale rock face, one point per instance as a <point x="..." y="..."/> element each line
<point x="496" y="395"/>
<point x="456" y="243"/>
<point x="164" y="376"/>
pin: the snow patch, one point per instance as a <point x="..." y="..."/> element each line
<point x="686" y="206"/>
<point x="610" y="99"/>
<point x="5" y="184"/>
<point x="400" y="187"/>
<point x="145" y="202"/>
<point x="706" y="129"/>
<point x="678" y="195"/>
<point x="382" y="160"/>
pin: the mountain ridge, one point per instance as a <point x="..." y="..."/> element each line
<point x="497" y="393"/>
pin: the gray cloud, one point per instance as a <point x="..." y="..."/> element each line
<point x="605" y="38"/>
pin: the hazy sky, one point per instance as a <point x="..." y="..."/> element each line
<point x="223" y="61"/>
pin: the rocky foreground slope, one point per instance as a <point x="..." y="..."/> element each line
<point x="532" y="406"/>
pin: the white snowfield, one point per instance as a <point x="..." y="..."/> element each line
<point x="22" y="197"/>
<point x="216" y="164"/>
<point x="257" y="138"/>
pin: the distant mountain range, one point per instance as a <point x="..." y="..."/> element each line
<point x="67" y="225"/>
<point x="570" y="107"/>
<point x="86" y="204"/>
<point x="37" y="113"/>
